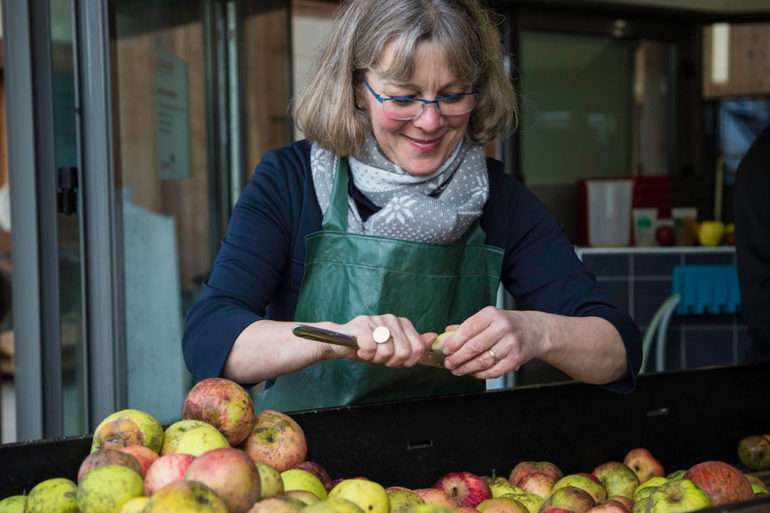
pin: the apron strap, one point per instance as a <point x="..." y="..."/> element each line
<point x="336" y="216"/>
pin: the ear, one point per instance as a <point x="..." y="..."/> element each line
<point x="359" y="96"/>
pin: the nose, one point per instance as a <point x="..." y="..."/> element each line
<point x="430" y="118"/>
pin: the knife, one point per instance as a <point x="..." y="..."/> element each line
<point x="429" y="358"/>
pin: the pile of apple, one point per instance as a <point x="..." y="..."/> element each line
<point x="222" y="457"/>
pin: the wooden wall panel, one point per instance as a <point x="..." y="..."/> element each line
<point x="749" y="61"/>
<point x="266" y="71"/>
<point x="185" y="199"/>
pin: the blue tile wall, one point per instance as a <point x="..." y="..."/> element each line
<point x="639" y="282"/>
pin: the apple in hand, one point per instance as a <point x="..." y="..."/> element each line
<point x="527" y="467"/>
<point x="617" y="478"/>
<point x="538" y="483"/>
<point x="677" y="496"/>
<point x="643" y="463"/>
<point x="571" y="498"/>
<point x="438" y="343"/>
<point x="586" y="482"/>
<point x="754" y="452"/>
<point x="722" y="482"/>
<point x="465" y="488"/>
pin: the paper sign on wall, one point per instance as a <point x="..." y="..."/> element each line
<point x="172" y="121"/>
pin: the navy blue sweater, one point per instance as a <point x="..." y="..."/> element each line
<point x="258" y="270"/>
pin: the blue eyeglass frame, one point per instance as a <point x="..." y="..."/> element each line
<point x="443" y="97"/>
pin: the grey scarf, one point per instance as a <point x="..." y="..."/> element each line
<point x="436" y="209"/>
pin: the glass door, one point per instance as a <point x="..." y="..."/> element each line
<point x="200" y="89"/>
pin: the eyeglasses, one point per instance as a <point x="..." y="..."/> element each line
<point x="405" y="108"/>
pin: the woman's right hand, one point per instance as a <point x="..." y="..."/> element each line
<point x="403" y="349"/>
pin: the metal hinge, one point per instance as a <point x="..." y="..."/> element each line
<point x="67" y="190"/>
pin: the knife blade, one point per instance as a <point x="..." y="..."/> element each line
<point x="430" y="358"/>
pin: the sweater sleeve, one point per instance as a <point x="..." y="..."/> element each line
<point x="542" y="272"/>
<point x="250" y="264"/>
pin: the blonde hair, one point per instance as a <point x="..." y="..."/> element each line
<point x="326" y="111"/>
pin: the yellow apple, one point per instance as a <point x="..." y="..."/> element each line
<point x="128" y="427"/>
<point x="368" y="495"/>
<point x="271" y="484"/>
<point x="200" y="440"/>
<point x="55" y="495"/>
<point x="13" y="504"/>
<point x="107" y="489"/>
<point x="298" y="479"/>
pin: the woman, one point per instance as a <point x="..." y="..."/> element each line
<point x="396" y="218"/>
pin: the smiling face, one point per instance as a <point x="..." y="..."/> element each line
<point x="421" y="145"/>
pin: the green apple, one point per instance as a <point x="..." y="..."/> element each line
<point x="677" y="496"/>
<point x="617" y="478"/>
<point x="757" y="486"/>
<point x="333" y="505"/>
<point x="499" y="486"/>
<point x="754" y="452"/>
<point x="431" y="508"/>
<point x="586" y="482"/>
<point x="271" y="484"/>
<point x="55" y="495"/>
<point x="200" y="440"/>
<point x="303" y="496"/>
<point x="281" y="504"/>
<point x="677" y="474"/>
<point x="128" y="427"/>
<point x="501" y="505"/>
<point x="645" y="489"/>
<point x="13" y="504"/>
<point x="185" y="496"/>
<point x="298" y="479"/>
<point x="531" y="501"/>
<point x="135" y="505"/>
<point x="401" y="499"/>
<point x="367" y="495"/>
<point x="175" y="431"/>
<point x="571" y="498"/>
<point x="106" y="489"/>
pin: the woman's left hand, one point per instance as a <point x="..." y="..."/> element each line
<point x="493" y="342"/>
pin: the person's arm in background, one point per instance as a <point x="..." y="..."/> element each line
<point x="561" y="317"/>
<point x="752" y="241"/>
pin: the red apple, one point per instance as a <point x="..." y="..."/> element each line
<point x="465" y="488"/>
<point x="231" y="474"/>
<point x="144" y="455"/>
<point x="104" y="457"/>
<point x="609" y="507"/>
<point x="527" y="467"/>
<point x="538" y="483"/>
<point x="165" y="470"/>
<point x="436" y="496"/>
<point x="224" y="404"/>
<point x="623" y="501"/>
<point x="276" y="440"/>
<point x="644" y="464"/>
<point x="318" y="471"/>
<point x="501" y="505"/>
<point x="665" y="235"/>
<point x="722" y="482"/>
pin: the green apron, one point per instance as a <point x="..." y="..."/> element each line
<point x="349" y="274"/>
